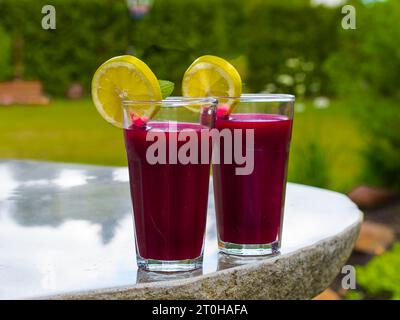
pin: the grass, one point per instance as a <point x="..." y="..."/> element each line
<point x="73" y="131"/>
<point x="68" y="131"/>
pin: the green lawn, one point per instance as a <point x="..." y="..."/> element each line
<point x="67" y="131"/>
<point x="71" y="131"/>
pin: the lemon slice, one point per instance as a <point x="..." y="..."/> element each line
<point x="124" y="78"/>
<point x="211" y="76"/>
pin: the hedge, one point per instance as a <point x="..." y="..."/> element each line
<point x="5" y="58"/>
<point x="258" y="36"/>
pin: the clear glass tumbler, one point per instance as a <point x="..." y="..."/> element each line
<point x="169" y="178"/>
<point x="249" y="175"/>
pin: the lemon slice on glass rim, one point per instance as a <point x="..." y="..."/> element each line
<point x="211" y="76"/>
<point x="125" y="78"/>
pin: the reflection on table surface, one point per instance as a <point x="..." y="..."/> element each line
<point x="67" y="227"/>
<point x="148" y="276"/>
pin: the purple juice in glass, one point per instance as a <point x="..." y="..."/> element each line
<point x="249" y="208"/>
<point x="169" y="199"/>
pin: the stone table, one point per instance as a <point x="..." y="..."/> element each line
<point x="66" y="231"/>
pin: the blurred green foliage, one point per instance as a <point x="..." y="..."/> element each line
<point x="368" y="59"/>
<point x="5" y="60"/>
<point x="312" y="165"/>
<point x="281" y="30"/>
<point x="261" y="38"/>
<point x="257" y="36"/>
<point x="382" y="154"/>
<point x="365" y="70"/>
<point x="354" y="295"/>
<point x="381" y="276"/>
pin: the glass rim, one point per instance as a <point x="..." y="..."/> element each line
<point x="262" y="97"/>
<point x="178" y="101"/>
<point x="173" y="102"/>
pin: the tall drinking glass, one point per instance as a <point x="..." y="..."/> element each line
<point x="250" y="195"/>
<point x="169" y="178"/>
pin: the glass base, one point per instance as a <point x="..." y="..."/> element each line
<point x="169" y="265"/>
<point x="249" y="249"/>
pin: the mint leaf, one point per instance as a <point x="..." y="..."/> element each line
<point x="167" y="87"/>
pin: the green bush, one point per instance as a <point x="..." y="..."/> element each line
<point x="381" y="277"/>
<point x="281" y="30"/>
<point x="382" y="154"/>
<point x="368" y="58"/>
<point x="263" y="34"/>
<point x="295" y="78"/>
<point x="5" y="58"/>
<point x="365" y="71"/>
<point x="88" y="32"/>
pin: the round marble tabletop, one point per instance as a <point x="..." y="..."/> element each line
<point x="66" y="231"/>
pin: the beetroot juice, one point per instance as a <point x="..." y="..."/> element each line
<point x="169" y="200"/>
<point x="249" y="208"/>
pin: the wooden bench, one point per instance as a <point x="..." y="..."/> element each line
<point x="22" y="92"/>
